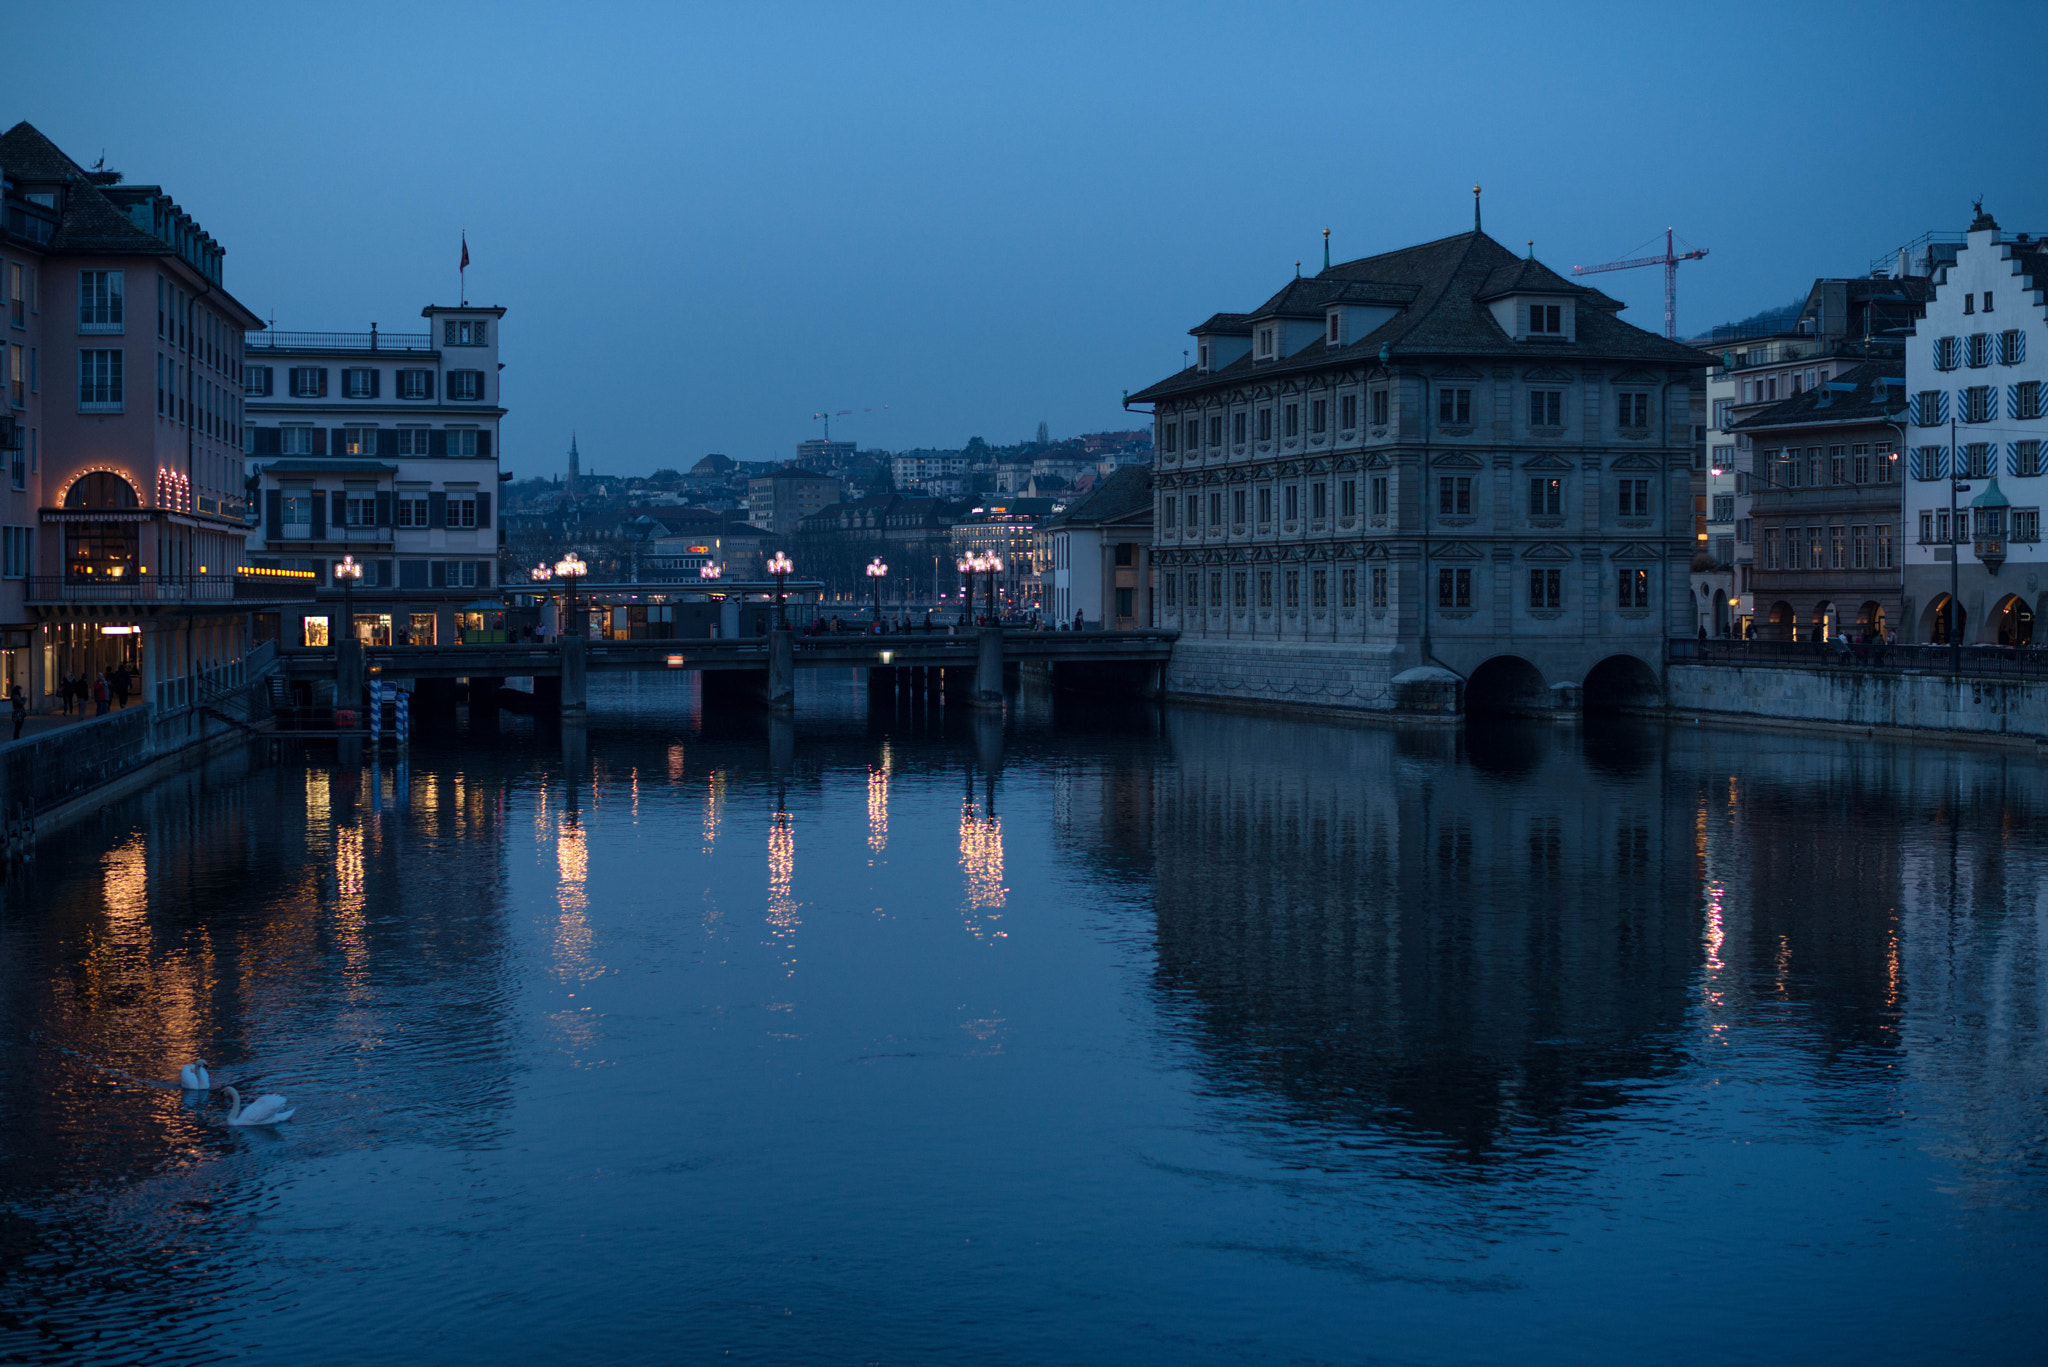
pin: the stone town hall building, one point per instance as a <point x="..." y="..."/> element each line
<point x="1439" y="473"/>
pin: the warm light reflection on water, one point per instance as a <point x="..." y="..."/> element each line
<point x="783" y="920"/>
<point x="981" y="862"/>
<point x="878" y="803"/>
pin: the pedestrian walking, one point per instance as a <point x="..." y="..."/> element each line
<point x="120" y="683"/>
<point x="101" y="694"/>
<point x="19" y="700"/>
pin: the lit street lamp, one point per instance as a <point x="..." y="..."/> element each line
<point x="993" y="564"/>
<point x="571" y="568"/>
<point x="779" y="565"/>
<point x="348" y="571"/>
<point x="708" y="571"/>
<point x="876" y="570"/>
<point x="968" y="565"/>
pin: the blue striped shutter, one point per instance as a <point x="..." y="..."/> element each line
<point x="1937" y="354"/>
<point x="2012" y="401"/>
<point x="2012" y="459"/>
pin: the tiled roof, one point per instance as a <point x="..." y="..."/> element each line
<point x="90" y="222"/>
<point x="1442" y="286"/>
<point x="1123" y="494"/>
<point x="1226" y="323"/>
<point x="1866" y="402"/>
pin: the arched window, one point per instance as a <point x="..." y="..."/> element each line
<point x="100" y="489"/>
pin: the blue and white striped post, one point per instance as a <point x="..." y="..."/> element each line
<point x="402" y="718"/>
<point x="376" y="711"/>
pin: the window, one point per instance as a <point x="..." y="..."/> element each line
<point x="2026" y="524"/>
<point x="1265" y="588"/>
<point x="1379" y="495"/>
<point x="1546" y="320"/>
<point x="1724" y="458"/>
<point x="1635" y="498"/>
<point x="1216" y="431"/>
<point x="1379" y="408"/>
<point x="296" y="512"/>
<point x="1859" y="458"/>
<point x="1171" y="583"/>
<point x="1634" y="589"/>
<point x="1336" y="328"/>
<point x="256" y="381"/>
<point x="1742" y="530"/>
<point x="1632" y="412"/>
<point x="359" y="382"/>
<point x="1977" y="460"/>
<point x="1546" y="408"/>
<point x="1169" y="509"/>
<point x="1293" y="420"/>
<point x="1546" y="588"/>
<point x="1379" y="586"/>
<point x="1319" y="416"/>
<point x="2026" y="400"/>
<point x="1347" y="498"/>
<point x="1348" y="586"/>
<point x="17" y="312"/>
<point x="1883" y="538"/>
<point x="1722" y="408"/>
<point x="1202" y="360"/>
<point x="1319" y="588"/>
<point x="467" y="441"/>
<point x="1859" y="548"/>
<point x="465" y="386"/>
<point x="1237" y="424"/>
<point x="309" y="382"/>
<point x="1990" y="524"/>
<point x="1546" y="496"/>
<point x="358" y="507"/>
<point x="1969" y="303"/>
<point x="1928" y="407"/>
<point x="295" y="441"/>
<point x="1237" y="506"/>
<point x="1724" y="508"/>
<point x="1987" y="301"/>
<point x="1194" y="591"/>
<point x="1977" y="403"/>
<point x="99" y="378"/>
<point x="1979" y="350"/>
<point x="1453" y="588"/>
<point x="465" y="332"/>
<point x="1265" y="424"/>
<point x="1347" y="412"/>
<point x="1237" y="588"/>
<point x="316" y="631"/>
<point x="1292" y="579"/>
<point x="1930" y="532"/>
<point x="359" y="441"/>
<point x="461" y="574"/>
<point x="1454" y="406"/>
<point x="1946" y="352"/>
<point x="1292" y="495"/>
<point x="1169" y="437"/>
<point x="1194" y="511"/>
<point x="15" y="552"/>
<point x="1215" y="508"/>
<point x="1265" y="344"/>
<point x="99" y="301"/>
<point x="1770" y="548"/>
<point x="1265" y="505"/>
<point x="1318" y="500"/>
<point x="2012" y="346"/>
<point x="1836" y="559"/>
<point x="412" y="508"/>
<point x="2026" y="458"/>
<point x="1454" y="496"/>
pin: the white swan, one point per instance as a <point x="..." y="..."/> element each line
<point x="194" y="1078"/>
<point x="264" y="1110"/>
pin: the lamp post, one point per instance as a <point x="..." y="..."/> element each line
<point x="571" y="568"/>
<point x="876" y="570"/>
<point x="968" y="564"/>
<point x="993" y="564"/>
<point x="348" y="571"/>
<point x="541" y="574"/>
<point x="708" y="571"/>
<point x="779" y="565"/>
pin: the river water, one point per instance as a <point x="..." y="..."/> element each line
<point x="1095" y="1035"/>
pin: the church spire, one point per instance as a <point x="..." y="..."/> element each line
<point x="575" y="460"/>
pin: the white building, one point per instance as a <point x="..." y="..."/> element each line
<point x="918" y="468"/>
<point x="1975" y="368"/>
<point x="1101" y="555"/>
<point x="381" y="447"/>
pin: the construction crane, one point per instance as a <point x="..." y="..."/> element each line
<point x="1669" y="261"/>
<point x="843" y="412"/>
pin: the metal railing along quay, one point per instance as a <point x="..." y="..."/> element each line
<point x="1982" y="661"/>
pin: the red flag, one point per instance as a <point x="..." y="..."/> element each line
<point x="465" y="252"/>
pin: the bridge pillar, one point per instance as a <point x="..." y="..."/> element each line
<point x="483" y="695"/>
<point x="547" y="695"/>
<point x="988" y="670"/>
<point x="782" y="671"/>
<point x="575" y="695"/>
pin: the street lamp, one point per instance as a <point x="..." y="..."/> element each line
<point x="993" y="565"/>
<point x="348" y="571"/>
<point x="707" y="570"/>
<point x="876" y="569"/>
<point x="779" y="565"/>
<point x="968" y="565"/>
<point x="571" y="568"/>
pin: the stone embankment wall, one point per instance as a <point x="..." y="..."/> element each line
<point x="1943" y="705"/>
<point x="1343" y="678"/>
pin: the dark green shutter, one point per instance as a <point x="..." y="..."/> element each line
<point x="319" y="515"/>
<point x="483" y="443"/>
<point x="387" y="441"/>
<point x="319" y="441"/>
<point x="383" y="507"/>
<point x="483" y="510"/>
<point x="384" y="574"/>
<point x="483" y="574"/>
<point x="376" y="383"/>
<point x="438" y="574"/>
<point x="437" y="509"/>
<point x="273" y="512"/>
<point x="339" y="443"/>
<point x="437" y="442"/>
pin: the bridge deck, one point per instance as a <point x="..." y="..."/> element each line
<point x="812" y="652"/>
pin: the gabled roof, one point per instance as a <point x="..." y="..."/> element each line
<point x="1124" y="496"/>
<point x="1440" y="289"/>
<point x="1862" y="401"/>
<point x="1226" y="324"/>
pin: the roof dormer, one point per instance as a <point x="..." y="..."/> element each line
<point x="1220" y="342"/>
<point x="1537" y="317"/>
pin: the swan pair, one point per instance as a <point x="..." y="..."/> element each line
<point x="264" y="1110"/>
<point x="193" y="1077"/>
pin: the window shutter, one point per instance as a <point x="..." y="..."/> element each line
<point x="384" y="574"/>
<point x="376" y="383"/>
<point x="437" y="509"/>
<point x="483" y="510"/>
<point x="339" y="444"/>
<point x="266" y="441"/>
<point x="383" y="507"/>
<point x="437" y="574"/>
<point x="483" y="443"/>
<point x="319" y="514"/>
<point x="321" y="371"/>
<point x="437" y="442"/>
<point x="387" y="441"/>
<point x="412" y="574"/>
<point x="483" y="574"/>
<point x="273" y="509"/>
<point x="319" y="435"/>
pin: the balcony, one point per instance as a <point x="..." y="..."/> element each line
<point x="247" y="584"/>
<point x="339" y="341"/>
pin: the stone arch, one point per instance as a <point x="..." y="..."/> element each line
<point x="1824" y="623"/>
<point x="1934" y="621"/>
<point x="2011" y="621"/>
<point x="1506" y="686"/>
<point x="1783" y="622"/>
<point x="1721" y="620"/>
<point x="100" y="489"/>
<point x="1871" y="622"/>
<point x="1622" y="682"/>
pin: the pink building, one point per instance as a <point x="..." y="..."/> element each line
<point x="124" y="528"/>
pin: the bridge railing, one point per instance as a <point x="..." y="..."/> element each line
<point x="1981" y="661"/>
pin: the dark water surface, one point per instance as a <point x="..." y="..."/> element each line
<point x="1098" y="1036"/>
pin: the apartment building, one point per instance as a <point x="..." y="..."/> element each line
<point x="1975" y="371"/>
<point x="121" y="519"/>
<point x="381" y="449"/>
<point x="1099" y="555"/>
<point x="779" y="500"/>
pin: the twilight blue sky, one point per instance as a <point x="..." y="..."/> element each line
<point x="709" y="222"/>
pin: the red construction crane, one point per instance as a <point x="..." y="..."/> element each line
<point x="1669" y="261"/>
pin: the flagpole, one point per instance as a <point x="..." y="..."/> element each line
<point x="462" y="273"/>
